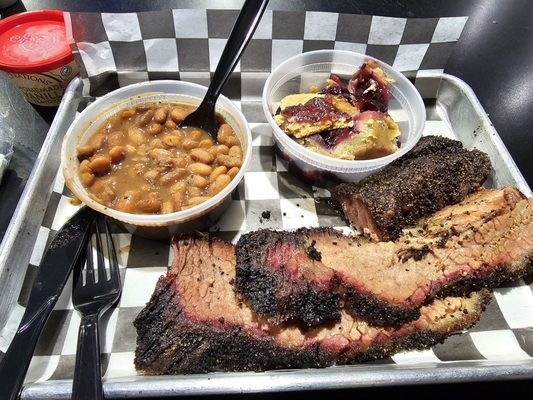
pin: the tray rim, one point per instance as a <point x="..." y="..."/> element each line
<point x="342" y="377"/>
<point x="487" y="125"/>
<point x="30" y="199"/>
<point x="337" y="377"/>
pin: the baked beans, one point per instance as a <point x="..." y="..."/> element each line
<point x="140" y="162"/>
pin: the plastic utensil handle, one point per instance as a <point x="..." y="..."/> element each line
<point x="87" y="383"/>
<point x="17" y="359"/>
<point x="242" y="32"/>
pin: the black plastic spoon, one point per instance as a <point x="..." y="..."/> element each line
<point x="204" y="116"/>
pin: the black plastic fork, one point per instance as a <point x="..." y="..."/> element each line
<point x="91" y="296"/>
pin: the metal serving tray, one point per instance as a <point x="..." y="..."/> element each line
<point x="456" y="109"/>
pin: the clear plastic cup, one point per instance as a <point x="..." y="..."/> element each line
<point x="299" y="73"/>
<point x="162" y="225"/>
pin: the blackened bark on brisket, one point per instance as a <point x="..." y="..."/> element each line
<point x="437" y="172"/>
<point x="277" y="294"/>
<point x="171" y="342"/>
<point x="187" y="328"/>
<point x="378" y="312"/>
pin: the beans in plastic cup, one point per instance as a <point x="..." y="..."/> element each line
<point x="35" y="53"/>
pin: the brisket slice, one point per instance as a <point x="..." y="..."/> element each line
<point x="481" y="242"/>
<point x="437" y="172"/>
<point x="195" y="323"/>
<point x="284" y="284"/>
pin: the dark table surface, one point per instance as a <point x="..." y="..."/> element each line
<point x="494" y="56"/>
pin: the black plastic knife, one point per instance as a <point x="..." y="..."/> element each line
<point x="53" y="272"/>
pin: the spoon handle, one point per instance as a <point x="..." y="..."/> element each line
<point x="242" y="32"/>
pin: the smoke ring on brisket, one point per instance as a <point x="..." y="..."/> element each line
<point x="195" y="323"/>
<point x="280" y="295"/>
<point x="481" y="242"/>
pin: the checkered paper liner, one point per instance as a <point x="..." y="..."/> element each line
<point x="119" y="49"/>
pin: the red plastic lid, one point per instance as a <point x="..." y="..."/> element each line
<point x="34" y="41"/>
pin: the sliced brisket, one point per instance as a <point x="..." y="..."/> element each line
<point x="195" y="323"/>
<point x="480" y="242"/>
<point x="437" y="172"/>
<point x="295" y="285"/>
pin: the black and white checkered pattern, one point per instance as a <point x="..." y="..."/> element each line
<point x="118" y="49"/>
<point x="185" y="44"/>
